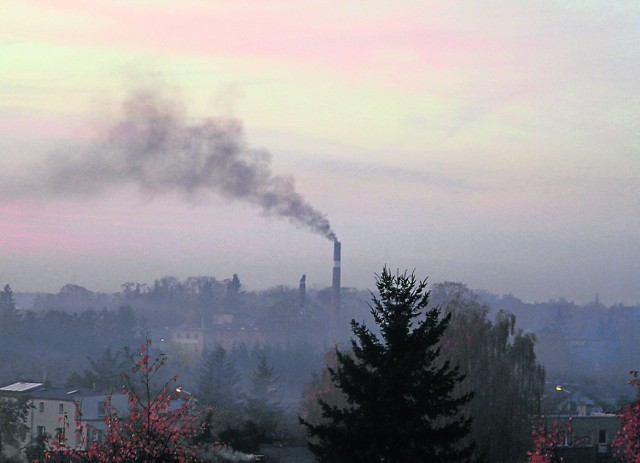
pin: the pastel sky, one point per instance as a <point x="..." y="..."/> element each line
<point x="495" y="143"/>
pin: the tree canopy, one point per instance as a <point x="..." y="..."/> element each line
<point x="219" y="382"/>
<point x="13" y="419"/>
<point x="401" y="404"/>
<point x="500" y="365"/>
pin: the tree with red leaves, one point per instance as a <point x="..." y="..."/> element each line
<point x="155" y="430"/>
<point x="627" y="442"/>
<point x="546" y="442"/>
<point x="551" y="445"/>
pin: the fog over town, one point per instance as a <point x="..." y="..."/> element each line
<point x="230" y="185"/>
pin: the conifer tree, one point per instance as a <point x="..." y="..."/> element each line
<point x="8" y="314"/>
<point x="219" y="383"/>
<point x="262" y="416"/>
<point x="263" y="385"/>
<point x="401" y="405"/>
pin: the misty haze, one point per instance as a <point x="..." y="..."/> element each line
<point x="271" y="232"/>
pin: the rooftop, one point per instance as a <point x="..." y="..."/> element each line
<point x="22" y="386"/>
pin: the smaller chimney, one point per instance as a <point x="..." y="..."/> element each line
<point x="335" y="286"/>
<point x="302" y="291"/>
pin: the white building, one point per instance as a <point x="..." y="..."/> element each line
<point x="55" y="413"/>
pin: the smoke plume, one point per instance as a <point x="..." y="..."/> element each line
<point x="156" y="148"/>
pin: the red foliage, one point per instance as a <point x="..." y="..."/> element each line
<point x="152" y="431"/>
<point x="546" y="441"/>
<point x="627" y="442"/>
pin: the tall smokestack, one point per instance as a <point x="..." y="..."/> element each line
<point x="335" y="286"/>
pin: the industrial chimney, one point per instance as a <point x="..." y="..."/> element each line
<point x="302" y="291"/>
<point x="335" y="287"/>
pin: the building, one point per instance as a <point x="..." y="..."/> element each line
<point x="54" y="413"/>
<point x="590" y="438"/>
<point x="51" y="413"/>
<point x="190" y="341"/>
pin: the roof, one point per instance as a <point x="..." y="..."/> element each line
<point x="22" y="386"/>
<point x="34" y="390"/>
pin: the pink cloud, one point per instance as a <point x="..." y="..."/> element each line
<point x="334" y="36"/>
<point x="33" y="237"/>
<point x="34" y="228"/>
<point x="54" y="125"/>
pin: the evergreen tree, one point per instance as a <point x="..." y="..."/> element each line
<point x="8" y="309"/>
<point x="233" y="293"/>
<point x="263" y="383"/>
<point x="262" y="417"/>
<point x="401" y="404"/>
<point x="219" y="382"/>
<point x="262" y="405"/>
<point x="104" y="373"/>
<point x="8" y="316"/>
<point x="7" y="302"/>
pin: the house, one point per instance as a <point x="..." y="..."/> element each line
<point x="54" y="413"/>
<point x="93" y="410"/>
<point x="51" y="413"/>
<point x="190" y="341"/>
<point x="590" y="438"/>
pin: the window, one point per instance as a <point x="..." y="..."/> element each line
<point x="40" y="430"/>
<point x="602" y="436"/>
<point x="41" y="407"/>
<point x="95" y="435"/>
<point x="100" y="409"/>
<point x="60" y="435"/>
<point x="61" y="408"/>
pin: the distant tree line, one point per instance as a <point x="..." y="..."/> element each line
<point x="44" y="345"/>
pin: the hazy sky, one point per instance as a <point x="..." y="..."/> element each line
<point x="494" y="143"/>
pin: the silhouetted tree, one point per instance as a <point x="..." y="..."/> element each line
<point x="104" y="373"/>
<point x="263" y="408"/>
<point x="500" y="365"/>
<point x="13" y="421"/>
<point x="233" y="293"/>
<point x="7" y="302"/>
<point x="8" y="314"/>
<point x="263" y="383"/>
<point x="401" y="401"/>
<point x="219" y="382"/>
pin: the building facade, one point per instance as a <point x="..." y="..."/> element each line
<point x="54" y="414"/>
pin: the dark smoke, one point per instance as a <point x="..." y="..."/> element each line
<point x="157" y="149"/>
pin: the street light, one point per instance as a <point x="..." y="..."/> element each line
<point x="559" y="388"/>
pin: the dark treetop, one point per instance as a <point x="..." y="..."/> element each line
<point x="401" y="404"/>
